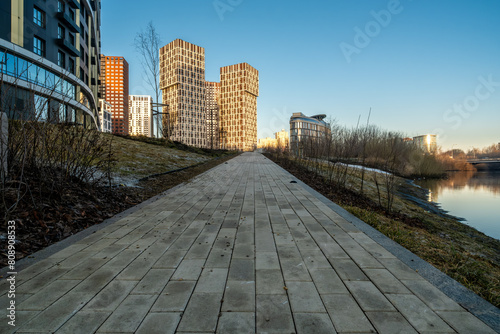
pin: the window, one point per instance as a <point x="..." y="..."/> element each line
<point x="61" y="32"/>
<point x="71" y="65"/>
<point x="61" y="59"/>
<point x="60" y="6"/>
<point x="72" y="39"/>
<point x="39" y="17"/>
<point x="72" y="14"/>
<point x="3" y="61"/>
<point x="39" y="46"/>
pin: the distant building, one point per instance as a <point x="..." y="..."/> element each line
<point x="427" y="143"/>
<point x="114" y="89"/>
<point x="140" y="115"/>
<point x="212" y="96"/>
<point x="267" y="143"/>
<point x="182" y="81"/>
<point x="208" y="114"/>
<point x="105" y="115"/>
<point x="304" y="128"/>
<point x="282" y="140"/>
<point x="238" y="106"/>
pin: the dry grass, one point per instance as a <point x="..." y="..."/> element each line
<point x="136" y="159"/>
<point x="460" y="251"/>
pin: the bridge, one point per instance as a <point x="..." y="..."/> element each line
<point x="485" y="164"/>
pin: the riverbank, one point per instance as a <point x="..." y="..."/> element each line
<point x="460" y="251"/>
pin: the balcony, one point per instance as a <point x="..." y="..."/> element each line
<point x="68" y="47"/>
<point x="64" y="18"/>
<point x="74" y="4"/>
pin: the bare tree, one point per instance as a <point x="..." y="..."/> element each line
<point x="147" y="43"/>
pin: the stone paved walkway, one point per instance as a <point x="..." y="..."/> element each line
<point x="238" y="250"/>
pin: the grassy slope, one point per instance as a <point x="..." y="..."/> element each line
<point x="47" y="216"/>
<point x="137" y="159"/>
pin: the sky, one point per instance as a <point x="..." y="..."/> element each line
<point x="421" y="66"/>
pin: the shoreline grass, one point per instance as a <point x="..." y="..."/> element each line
<point x="460" y="251"/>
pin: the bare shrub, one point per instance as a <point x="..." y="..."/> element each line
<point x="47" y="152"/>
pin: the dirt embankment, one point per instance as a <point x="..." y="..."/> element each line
<point x="59" y="214"/>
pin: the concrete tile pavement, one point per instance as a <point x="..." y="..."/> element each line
<point x="238" y="249"/>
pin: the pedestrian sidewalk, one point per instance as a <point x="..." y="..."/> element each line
<point x="239" y="249"/>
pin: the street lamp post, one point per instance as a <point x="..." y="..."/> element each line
<point x="157" y="114"/>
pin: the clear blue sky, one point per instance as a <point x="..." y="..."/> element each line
<point x="423" y="66"/>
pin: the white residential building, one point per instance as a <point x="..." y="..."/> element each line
<point x="140" y="115"/>
<point x="105" y="110"/>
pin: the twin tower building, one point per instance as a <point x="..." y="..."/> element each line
<point x="202" y="113"/>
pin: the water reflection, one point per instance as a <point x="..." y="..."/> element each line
<point x="474" y="196"/>
<point x="478" y="181"/>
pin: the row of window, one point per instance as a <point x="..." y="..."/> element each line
<point x="39" y="45"/>
<point x="27" y="71"/>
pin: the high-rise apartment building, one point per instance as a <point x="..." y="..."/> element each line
<point x="140" y="115"/>
<point x="114" y="89"/>
<point x="212" y="93"/>
<point x="182" y="81"/>
<point x="238" y="106"/>
<point x="207" y="114"/>
<point x="49" y="60"/>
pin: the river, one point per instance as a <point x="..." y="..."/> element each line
<point x="473" y="196"/>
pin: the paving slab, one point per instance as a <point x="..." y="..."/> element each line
<point x="129" y="315"/>
<point x="159" y="323"/>
<point x="174" y="297"/>
<point x="346" y="314"/>
<point x="236" y="322"/>
<point x="238" y="249"/>
<point x="315" y="323"/>
<point x="304" y="297"/>
<point x="390" y="323"/>
<point x="84" y="322"/>
<point x="274" y="314"/>
<point x="202" y="313"/>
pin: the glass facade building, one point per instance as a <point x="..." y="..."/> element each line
<point x="303" y="128"/>
<point x="49" y="68"/>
